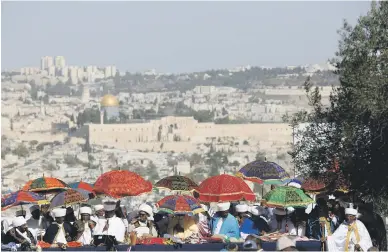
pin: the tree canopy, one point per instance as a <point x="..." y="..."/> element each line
<point x="353" y="129"/>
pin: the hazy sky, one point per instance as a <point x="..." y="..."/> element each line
<point x="173" y="36"/>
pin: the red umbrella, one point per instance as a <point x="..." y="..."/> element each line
<point x="317" y="184"/>
<point x="224" y="188"/>
<point x="121" y="183"/>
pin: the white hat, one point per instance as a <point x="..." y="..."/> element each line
<point x="59" y="212"/>
<point x="85" y="210"/>
<point x="284" y="242"/>
<point x="18" y="221"/>
<point x="146" y="208"/>
<point x="331" y="197"/>
<point x="224" y="206"/>
<point x="204" y="207"/>
<point x="294" y="184"/>
<point x="351" y="211"/>
<point x="34" y="207"/>
<point x="98" y="207"/>
<point x="109" y="205"/>
<point x="241" y="208"/>
<point x="279" y="211"/>
<point x="257" y="210"/>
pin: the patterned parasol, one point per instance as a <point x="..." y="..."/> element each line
<point x="20" y="198"/>
<point x="180" y="204"/>
<point x="287" y="196"/>
<point x="120" y="183"/>
<point x="45" y="185"/>
<point x="69" y="197"/>
<point x="82" y="185"/>
<point x="224" y="188"/>
<point x="263" y="172"/>
<point x="317" y="184"/>
<point x="177" y="183"/>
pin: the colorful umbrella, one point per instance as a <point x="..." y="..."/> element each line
<point x="287" y="196"/>
<point x="20" y="198"/>
<point x="45" y="185"/>
<point x="318" y="184"/>
<point x="82" y="185"/>
<point x="258" y="171"/>
<point x="224" y="188"/>
<point x="177" y="183"/>
<point x="120" y="183"/>
<point x="69" y="197"/>
<point x="180" y="204"/>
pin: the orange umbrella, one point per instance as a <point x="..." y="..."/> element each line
<point x="224" y="188"/>
<point x="45" y="185"/>
<point x="121" y="183"/>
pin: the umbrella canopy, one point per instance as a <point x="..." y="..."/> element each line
<point x="317" y="184"/>
<point x="69" y="197"/>
<point x="268" y="172"/>
<point x="287" y="196"/>
<point x="180" y="204"/>
<point x="177" y="183"/>
<point x="82" y="185"/>
<point x="224" y="188"/>
<point x="121" y="183"/>
<point x="20" y="198"/>
<point x="45" y="184"/>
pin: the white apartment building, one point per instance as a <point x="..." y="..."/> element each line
<point x="46" y="62"/>
<point x="60" y="62"/>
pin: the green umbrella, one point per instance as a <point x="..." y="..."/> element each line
<point x="287" y="196"/>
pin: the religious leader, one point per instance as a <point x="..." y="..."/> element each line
<point x="351" y="235"/>
<point x="59" y="232"/>
<point x="223" y="223"/>
<point x="84" y="227"/>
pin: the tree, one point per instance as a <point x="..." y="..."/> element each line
<point x="353" y="129"/>
<point x="152" y="171"/>
<point x="260" y="156"/>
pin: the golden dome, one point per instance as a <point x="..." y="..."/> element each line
<point x="109" y="101"/>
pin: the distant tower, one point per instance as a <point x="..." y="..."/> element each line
<point x="42" y="109"/>
<point x="85" y="94"/>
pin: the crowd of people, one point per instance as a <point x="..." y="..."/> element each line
<point x="336" y="227"/>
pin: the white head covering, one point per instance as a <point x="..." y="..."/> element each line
<point x="18" y="221"/>
<point x="241" y="208"/>
<point x="98" y="207"/>
<point x="34" y="207"/>
<point x="224" y="206"/>
<point x="294" y="184"/>
<point x="85" y="210"/>
<point x="257" y="210"/>
<point x="351" y="211"/>
<point x="109" y="205"/>
<point x="146" y="208"/>
<point x="59" y="212"/>
<point x="331" y="197"/>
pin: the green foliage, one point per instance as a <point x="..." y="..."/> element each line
<point x="260" y="156"/>
<point x="354" y="128"/>
<point x="70" y="160"/>
<point x="152" y="171"/>
<point x="195" y="159"/>
<point x="90" y="115"/>
<point x="21" y="151"/>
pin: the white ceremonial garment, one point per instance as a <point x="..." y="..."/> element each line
<point x="219" y="226"/>
<point x="337" y="241"/>
<point x="35" y="227"/>
<point x="300" y="230"/>
<point x="60" y="238"/>
<point x="142" y="229"/>
<point x="116" y="228"/>
<point x="86" y="237"/>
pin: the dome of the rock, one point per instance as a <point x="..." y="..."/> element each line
<point x="109" y="101"/>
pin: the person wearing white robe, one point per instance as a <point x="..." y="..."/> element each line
<point x="351" y="235"/>
<point x="110" y="225"/>
<point x="98" y="213"/>
<point x="86" y="232"/>
<point x="35" y="222"/>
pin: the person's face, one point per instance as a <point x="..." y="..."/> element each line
<point x="350" y="218"/>
<point x="35" y="214"/>
<point x="59" y="220"/>
<point x="44" y="209"/>
<point x="85" y="217"/>
<point x="100" y="212"/>
<point x="23" y="228"/>
<point x="223" y="214"/>
<point x="143" y="216"/>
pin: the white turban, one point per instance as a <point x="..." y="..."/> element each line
<point x="223" y="206"/>
<point x="34" y="207"/>
<point x="18" y="221"/>
<point x="109" y="205"/>
<point x="59" y="212"/>
<point x="98" y="207"/>
<point x="351" y="211"/>
<point x="241" y="208"/>
<point x="85" y="210"/>
<point x="146" y="208"/>
<point x="294" y="184"/>
<point x="257" y="210"/>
